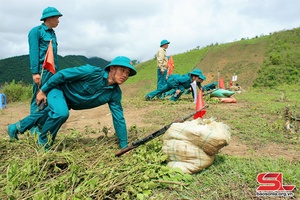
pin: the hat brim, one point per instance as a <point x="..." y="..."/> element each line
<point x="194" y="74"/>
<point x="201" y="76"/>
<point x="122" y="64"/>
<point x="164" y="44"/>
<point x="47" y="16"/>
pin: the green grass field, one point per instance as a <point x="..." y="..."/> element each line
<point x="85" y="168"/>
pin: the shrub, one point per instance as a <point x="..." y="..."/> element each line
<point x="275" y="59"/>
<point x="16" y="91"/>
<point x="282" y="64"/>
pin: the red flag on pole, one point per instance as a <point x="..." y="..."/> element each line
<point x="49" y="59"/>
<point x="170" y="65"/>
<point x="199" y="105"/>
<point x="221" y="83"/>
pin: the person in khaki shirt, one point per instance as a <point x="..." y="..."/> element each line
<point x="162" y="60"/>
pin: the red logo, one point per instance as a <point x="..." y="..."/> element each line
<point x="273" y="181"/>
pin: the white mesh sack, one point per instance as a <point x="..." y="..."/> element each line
<point x="184" y="155"/>
<point x="206" y="134"/>
<point x="191" y="145"/>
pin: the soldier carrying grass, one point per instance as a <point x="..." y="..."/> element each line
<point x="82" y="87"/>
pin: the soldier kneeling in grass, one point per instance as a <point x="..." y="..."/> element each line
<point x="82" y="87"/>
<point x="179" y="83"/>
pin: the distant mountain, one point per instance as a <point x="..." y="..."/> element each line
<point x="17" y="68"/>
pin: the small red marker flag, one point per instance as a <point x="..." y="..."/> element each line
<point x="49" y="59"/>
<point x="199" y="105"/>
<point x="221" y="83"/>
<point x="170" y="65"/>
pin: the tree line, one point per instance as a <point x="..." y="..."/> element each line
<point x="17" y="67"/>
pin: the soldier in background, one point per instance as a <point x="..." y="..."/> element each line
<point x="162" y="60"/>
<point x="38" y="39"/>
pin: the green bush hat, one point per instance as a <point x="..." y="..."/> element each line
<point x="163" y="42"/>
<point x="123" y="62"/>
<point x="198" y="72"/>
<point x="50" y="12"/>
<point x="202" y="77"/>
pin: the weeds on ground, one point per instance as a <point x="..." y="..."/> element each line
<point x="79" y="167"/>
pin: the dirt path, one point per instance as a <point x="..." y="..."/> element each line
<point x="99" y="117"/>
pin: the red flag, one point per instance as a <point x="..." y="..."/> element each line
<point x="49" y="59"/>
<point x="221" y="83"/>
<point x="199" y="105"/>
<point x="170" y="65"/>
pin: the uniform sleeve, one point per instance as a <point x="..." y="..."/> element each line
<point x="33" y="41"/>
<point x="68" y="75"/>
<point x="181" y="88"/>
<point x="182" y="80"/>
<point x="119" y="122"/>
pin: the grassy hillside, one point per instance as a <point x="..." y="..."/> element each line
<point x="185" y="62"/>
<point x="243" y="58"/>
<point x="264" y="61"/>
<point x="282" y="63"/>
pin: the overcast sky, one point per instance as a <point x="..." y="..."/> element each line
<point x="134" y="28"/>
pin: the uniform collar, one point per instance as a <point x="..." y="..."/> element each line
<point x="45" y="27"/>
<point x="190" y="78"/>
<point x="105" y="74"/>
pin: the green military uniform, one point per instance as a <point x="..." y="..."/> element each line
<point x="176" y="82"/>
<point x="82" y="87"/>
<point x="38" y="40"/>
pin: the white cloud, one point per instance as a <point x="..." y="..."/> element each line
<point x="135" y="28"/>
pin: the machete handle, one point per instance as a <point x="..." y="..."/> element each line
<point x="137" y="143"/>
<point x="209" y="92"/>
<point x="42" y="106"/>
<point x="122" y="151"/>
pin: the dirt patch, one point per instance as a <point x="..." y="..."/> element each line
<point x="271" y="150"/>
<point x="97" y="118"/>
<point x="243" y="60"/>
